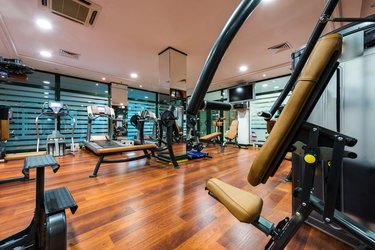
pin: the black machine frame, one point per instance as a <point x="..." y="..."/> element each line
<point x="315" y="139"/>
<point x="48" y="228"/>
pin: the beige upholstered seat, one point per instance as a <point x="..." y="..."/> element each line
<point x="210" y="136"/>
<point x="245" y="206"/>
<point x="233" y="130"/>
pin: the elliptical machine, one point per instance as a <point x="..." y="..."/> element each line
<point x="56" y="143"/>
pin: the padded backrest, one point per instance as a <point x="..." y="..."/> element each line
<point x="232" y="132"/>
<point x="4" y="130"/>
<point x="272" y="149"/>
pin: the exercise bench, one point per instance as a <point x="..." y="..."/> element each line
<point x="212" y="138"/>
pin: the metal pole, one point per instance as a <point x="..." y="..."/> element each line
<point x="239" y="16"/>
<point x="319" y="27"/>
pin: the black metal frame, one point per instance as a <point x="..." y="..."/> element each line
<point x="316" y="137"/>
<point x="48" y="227"/>
<point x="167" y="120"/>
<point x="25" y="177"/>
<point x="321" y="143"/>
<point x="102" y="160"/>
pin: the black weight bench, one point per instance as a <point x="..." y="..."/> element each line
<point x="48" y="228"/>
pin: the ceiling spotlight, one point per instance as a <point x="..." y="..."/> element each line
<point x="46" y="93"/>
<point x="45" y="53"/>
<point x="97" y="84"/>
<point x="44" y="24"/>
<point x="134" y="75"/>
<point x="265" y="85"/>
<point x="46" y="82"/>
<point x="121" y="104"/>
<point x="264" y="75"/>
<point x="276" y="87"/>
<point x="106" y="91"/>
<point x="243" y="68"/>
<point x="146" y="97"/>
<point x="140" y="85"/>
<point x="103" y="78"/>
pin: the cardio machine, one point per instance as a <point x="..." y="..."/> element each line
<point x="56" y="143"/>
<point x="103" y="145"/>
<point x="48" y="228"/>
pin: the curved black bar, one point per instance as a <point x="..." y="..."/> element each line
<point x="319" y="27"/>
<point x="239" y="16"/>
<point x="212" y="105"/>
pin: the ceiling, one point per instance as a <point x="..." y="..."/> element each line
<point x="128" y="35"/>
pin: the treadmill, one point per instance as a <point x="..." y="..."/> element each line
<point x="103" y="145"/>
<point x="95" y="142"/>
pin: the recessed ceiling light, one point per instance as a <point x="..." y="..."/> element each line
<point x="2" y="76"/>
<point x="46" y="96"/>
<point x="134" y="75"/>
<point x="140" y="85"/>
<point x="276" y="87"/>
<point x="97" y="84"/>
<point x="265" y="85"/>
<point x="44" y="24"/>
<point x="264" y="75"/>
<point x="121" y="104"/>
<point x="106" y="91"/>
<point x="146" y="97"/>
<point x="46" y="93"/>
<point x="103" y="78"/>
<point x="46" y="82"/>
<point x="243" y="68"/>
<point x="45" y="53"/>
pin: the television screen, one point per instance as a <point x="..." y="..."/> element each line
<point x="242" y="93"/>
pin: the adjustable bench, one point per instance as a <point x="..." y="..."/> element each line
<point x="212" y="138"/>
<point x="231" y="135"/>
<point x="313" y="143"/>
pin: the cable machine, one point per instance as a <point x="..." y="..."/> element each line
<point x="55" y="144"/>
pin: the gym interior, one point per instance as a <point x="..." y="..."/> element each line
<point x="187" y="125"/>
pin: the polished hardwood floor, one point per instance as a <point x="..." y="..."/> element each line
<point x="147" y="204"/>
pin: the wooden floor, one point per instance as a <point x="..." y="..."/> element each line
<point x="146" y="204"/>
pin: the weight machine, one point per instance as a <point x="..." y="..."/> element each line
<point x="312" y="142"/>
<point x="55" y="144"/>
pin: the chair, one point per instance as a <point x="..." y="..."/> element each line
<point x="231" y="135"/>
<point x="312" y="142"/>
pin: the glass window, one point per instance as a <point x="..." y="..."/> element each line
<point x="141" y="95"/>
<point x="266" y="94"/>
<point x="164" y="102"/>
<point x="78" y="94"/>
<point x="26" y="98"/>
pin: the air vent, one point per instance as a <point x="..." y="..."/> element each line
<point x="280" y="47"/>
<point x="80" y="11"/>
<point x="68" y="54"/>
